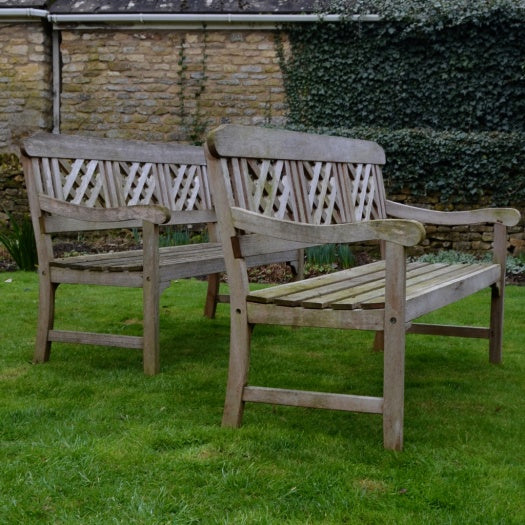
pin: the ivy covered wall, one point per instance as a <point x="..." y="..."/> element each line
<point x="440" y="84"/>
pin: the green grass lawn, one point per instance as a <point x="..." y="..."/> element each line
<point x="88" y="439"/>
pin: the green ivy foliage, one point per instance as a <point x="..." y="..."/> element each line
<point x="440" y="84"/>
<point x="439" y="64"/>
<point x="459" y="167"/>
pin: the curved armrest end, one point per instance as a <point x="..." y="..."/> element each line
<point x="406" y="232"/>
<point x="512" y="216"/>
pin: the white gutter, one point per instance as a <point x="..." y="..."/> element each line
<point x="206" y="18"/>
<point x="18" y="12"/>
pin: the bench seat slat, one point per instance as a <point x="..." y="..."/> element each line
<point x="425" y="301"/>
<point x="376" y="298"/>
<point x="268" y="295"/>
<point x="364" y="288"/>
<point x="132" y="260"/>
<point x="355" y="294"/>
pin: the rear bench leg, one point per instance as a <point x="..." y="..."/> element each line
<point x="46" y="318"/>
<point x="497" y="295"/>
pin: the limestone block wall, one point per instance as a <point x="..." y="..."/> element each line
<point x="25" y="103"/>
<point x="25" y="82"/>
<point x="168" y="85"/>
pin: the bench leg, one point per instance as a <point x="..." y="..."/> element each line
<point x="151" y="349"/>
<point x="497" y="296"/>
<point x="212" y="293"/>
<point x="394" y="347"/>
<point x="151" y="298"/>
<point x="238" y="368"/>
<point x="394" y="387"/>
<point x="46" y="319"/>
<point x="496" y="325"/>
<point x="379" y="341"/>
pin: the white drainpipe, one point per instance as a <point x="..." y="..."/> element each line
<point x="18" y="12"/>
<point x="223" y="18"/>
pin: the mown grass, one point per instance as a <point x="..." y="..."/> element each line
<point x="87" y="438"/>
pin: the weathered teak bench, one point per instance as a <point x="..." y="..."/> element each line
<point x="276" y="188"/>
<point x="78" y="184"/>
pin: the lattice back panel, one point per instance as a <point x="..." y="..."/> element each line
<point x="108" y="184"/>
<point x="311" y="192"/>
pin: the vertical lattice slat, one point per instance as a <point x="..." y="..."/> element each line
<point x="330" y="208"/>
<point x="140" y="179"/>
<point x="37" y="174"/>
<point x="191" y="202"/>
<point x="238" y="192"/>
<point x="261" y="183"/>
<point x="109" y="197"/>
<point x="175" y="186"/>
<point x="282" y="185"/>
<point x="95" y="190"/>
<point x="149" y="185"/>
<point x="343" y="181"/>
<point x="185" y="188"/>
<point x="85" y="181"/>
<point x="206" y="201"/>
<point x="379" y="196"/>
<point x="57" y="179"/>
<point x="358" y="173"/>
<point x="314" y="180"/>
<point x="46" y="178"/>
<point x="322" y="214"/>
<point x="162" y="184"/>
<point x="128" y="172"/>
<point x="362" y="193"/>
<point x="72" y="178"/>
<point x="297" y="194"/>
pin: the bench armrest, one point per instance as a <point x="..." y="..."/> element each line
<point x="505" y="216"/>
<point x="151" y="213"/>
<point x="403" y="232"/>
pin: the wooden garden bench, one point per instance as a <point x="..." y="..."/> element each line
<point x="79" y="184"/>
<point x="276" y="189"/>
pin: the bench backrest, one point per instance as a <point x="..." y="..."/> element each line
<point x="111" y="173"/>
<point x="315" y="179"/>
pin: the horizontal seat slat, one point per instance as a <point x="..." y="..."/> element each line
<point x="433" y="281"/>
<point x="317" y="295"/>
<point x="363" y="287"/>
<point x="353" y="295"/>
<point x="268" y="295"/>
<point x="423" y="301"/>
<point x="131" y="261"/>
<point x="376" y="298"/>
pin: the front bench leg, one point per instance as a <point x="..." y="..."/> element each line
<point x="394" y="347"/>
<point x="151" y="298"/>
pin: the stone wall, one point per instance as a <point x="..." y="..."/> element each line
<point x="25" y="82"/>
<point x="161" y="85"/>
<point x="168" y="85"/>
<point x="25" y="103"/>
